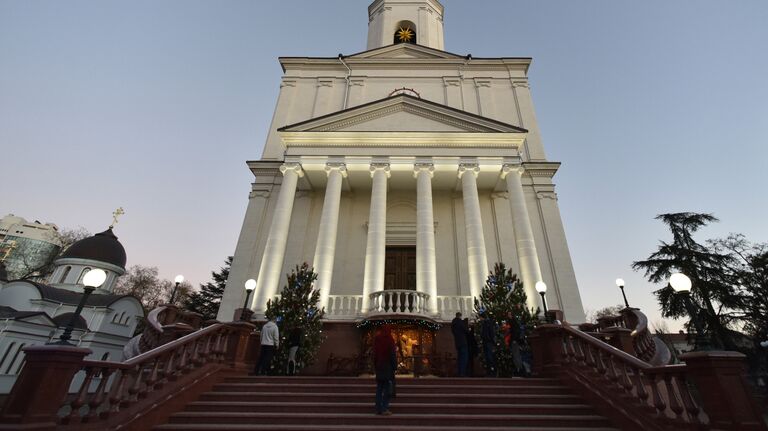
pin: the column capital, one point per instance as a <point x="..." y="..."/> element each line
<point x="340" y="167"/>
<point x="512" y="169"/>
<point x="295" y="167"/>
<point x="380" y="167"/>
<point x="429" y="168"/>
<point x="468" y="167"/>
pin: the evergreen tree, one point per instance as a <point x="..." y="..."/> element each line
<point x="297" y="308"/>
<point x="206" y="301"/>
<point x="504" y="293"/>
<point x="713" y="291"/>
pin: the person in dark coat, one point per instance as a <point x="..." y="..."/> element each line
<point x="488" y="338"/>
<point x="385" y="364"/>
<point x="460" y="331"/>
<point x="294" y="341"/>
<point x="472" y="348"/>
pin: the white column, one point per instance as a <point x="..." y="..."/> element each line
<point x="477" y="260"/>
<point x="325" y="250"/>
<point x="426" y="268"/>
<point x="274" y="252"/>
<point x="376" y="248"/>
<point x="521" y="224"/>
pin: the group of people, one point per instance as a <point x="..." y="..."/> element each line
<point x="465" y="341"/>
<point x="270" y="342"/>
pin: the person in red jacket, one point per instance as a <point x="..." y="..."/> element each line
<point x="385" y="364"/>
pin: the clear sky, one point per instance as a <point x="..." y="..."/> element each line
<point x="653" y="106"/>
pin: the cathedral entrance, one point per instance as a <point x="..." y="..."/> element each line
<point x="415" y="344"/>
<point x="400" y="268"/>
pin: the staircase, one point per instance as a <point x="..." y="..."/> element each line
<point x="347" y="403"/>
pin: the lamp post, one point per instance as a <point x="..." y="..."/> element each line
<point x="682" y="285"/>
<point x="620" y="285"/>
<point x="93" y="279"/>
<point x="179" y="279"/>
<point x="249" y="286"/>
<point x="541" y="287"/>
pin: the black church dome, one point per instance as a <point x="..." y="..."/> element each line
<point x="102" y="247"/>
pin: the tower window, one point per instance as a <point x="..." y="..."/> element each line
<point x="405" y="32"/>
<point x="64" y="274"/>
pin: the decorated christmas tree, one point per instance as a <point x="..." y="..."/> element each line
<point x="502" y="294"/>
<point x="297" y="308"/>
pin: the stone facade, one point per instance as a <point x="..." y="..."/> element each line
<point x="403" y="145"/>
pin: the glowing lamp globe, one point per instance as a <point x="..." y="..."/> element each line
<point x="619" y="282"/>
<point x="94" y="278"/>
<point x="250" y="284"/>
<point x="179" y="279"/>
<point x="541" y="287"/>
<point x="680" y="282"/>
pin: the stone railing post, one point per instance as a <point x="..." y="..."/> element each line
<point x="42" y="386"/>
<point x="621" y="338"/>
<point x="237" y="344"/>
<point x="720" y="378"/>
<point x="547" y="349"/>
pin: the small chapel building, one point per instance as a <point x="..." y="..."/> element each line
<point x="402" y="174"/>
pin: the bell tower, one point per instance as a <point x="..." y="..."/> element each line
<point x="405" y="21"/>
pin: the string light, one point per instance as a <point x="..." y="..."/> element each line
<point x="426" y="324"/>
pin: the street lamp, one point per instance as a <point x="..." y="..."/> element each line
<point x="541" y="287"/>
<point x="620" y="285"/>
<point x="93" y="279"/>
<point x="249" y="286"/>
<point x="682" y="285"/>
<point x="179" y="279"/>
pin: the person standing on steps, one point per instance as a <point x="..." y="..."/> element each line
<point x="488" y="338"/>
<point x="385" y="364"/>
<point x="294" y="341"/>
<point x="270" y="341"/>
<point x="460" y="331"/>
<point x="472" y="348"/>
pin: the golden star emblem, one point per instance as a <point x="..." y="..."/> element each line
<point x="405" y="34"/>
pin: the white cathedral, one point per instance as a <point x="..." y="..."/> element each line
<point x="402" y="174"/>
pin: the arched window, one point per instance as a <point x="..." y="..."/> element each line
<point x="8" y="351"/>
<point x="64" y="274"/>
<point x="82" y="274"/>
<point x="405" y="32"/>
<point x="105" y="356"/>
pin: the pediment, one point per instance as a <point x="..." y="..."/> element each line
<point x="403" y="113"/>
<point x="405" y="50"/>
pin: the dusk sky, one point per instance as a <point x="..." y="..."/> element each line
<point x="652" y="107"/>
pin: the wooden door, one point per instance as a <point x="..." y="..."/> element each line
<point x="400" y="268"/>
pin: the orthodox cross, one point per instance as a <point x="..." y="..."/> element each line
<point x="118" y="212"/>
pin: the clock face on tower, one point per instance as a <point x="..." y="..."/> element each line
<point x="405" y="35"/>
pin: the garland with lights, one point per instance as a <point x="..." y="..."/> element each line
<point x="421" y="323"/>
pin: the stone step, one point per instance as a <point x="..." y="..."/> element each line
<point x="403" y="398"/>
<point x="396" y="420"/>
<point x="514" y="381"/>
<point x="410" y="408"/>
<point x="478" y="388"/>
<point x="312" y="427"/>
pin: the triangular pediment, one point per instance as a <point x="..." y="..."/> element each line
<point x="405" y="50"/>
<point x="402" y="113"/>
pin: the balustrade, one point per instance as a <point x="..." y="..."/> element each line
<point x="397" y="301"/>
<point x="448" y="306"/>
<point x="344" y="305"/>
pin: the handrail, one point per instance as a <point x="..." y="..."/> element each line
<point x="662" y="390"/>
<point x="108" y="388"/>
<point x="399" y="301"/>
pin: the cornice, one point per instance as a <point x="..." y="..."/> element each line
<point x="402" y="140"/>
<point x="541" y="169"/>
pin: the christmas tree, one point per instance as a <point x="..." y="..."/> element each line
<point x="503" y="293"/>
<point x="297" y="308"/>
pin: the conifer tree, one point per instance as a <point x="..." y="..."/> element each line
<point x="297" y="308"/>
<point x="504" y="293"/>
<point x="206" y="301"/>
